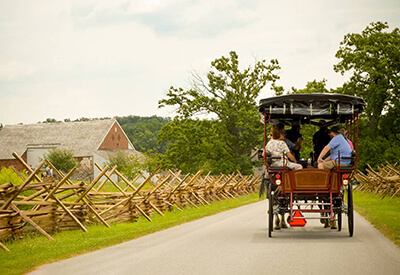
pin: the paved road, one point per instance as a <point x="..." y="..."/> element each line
<point x="236" y="242"/>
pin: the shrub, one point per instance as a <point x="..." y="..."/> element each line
<point x="63" y="159"/>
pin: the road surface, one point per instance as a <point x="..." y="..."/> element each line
<point x="236" y="242"/>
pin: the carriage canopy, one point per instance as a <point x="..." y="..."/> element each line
<point x="307" y="107"/>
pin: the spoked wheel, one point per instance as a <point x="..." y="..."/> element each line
<point x="350" y="214"/>
<point x="270" y="211"/>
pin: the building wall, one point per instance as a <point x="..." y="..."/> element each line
<point x="115" y="139"/>
<point x="35" y="154"/>
<point x="13" y="162"/>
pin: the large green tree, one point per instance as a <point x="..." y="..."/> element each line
<point x="373" y="59"/>
<point x="229" y="95"/>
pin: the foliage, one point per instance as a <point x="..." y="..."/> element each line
<point x="229" y="95"/>
<point x="143" y="132"/>
<point x="312" y="87"/>
<point x="63" y="159"/>
<point x="194" y="145"/>
<point x="8" y="175"/>
<point x="307" y="146"/>
<point x="50" y="120"/>
<point x="129" y="165"/>
<point x="373" y="58"/>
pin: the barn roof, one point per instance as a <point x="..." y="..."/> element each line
<point x="83" y="137"/>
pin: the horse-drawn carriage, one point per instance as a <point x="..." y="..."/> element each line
<point x="311" y="190"/>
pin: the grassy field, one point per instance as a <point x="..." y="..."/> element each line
<point x="383" y="214"/>
<point x="29" y="253"/>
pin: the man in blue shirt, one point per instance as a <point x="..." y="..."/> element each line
<point x="337" y="143"/>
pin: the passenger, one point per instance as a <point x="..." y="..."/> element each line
<point x="278" y="148"/>
<point x="291" y="145"/>
<point x="294" y="136"/>
<point x="320" y="139"/>
<point x="337" y="143"/>
<point x="344" y="133"/>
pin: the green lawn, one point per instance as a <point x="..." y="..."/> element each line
<point x="384" y="214"/>
<point x="31" y="252"/>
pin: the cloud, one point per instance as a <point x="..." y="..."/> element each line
<point x="173" y="18"/>
<point x="15" y="69"/>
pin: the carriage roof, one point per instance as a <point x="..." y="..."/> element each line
<point x="305" y="108"/>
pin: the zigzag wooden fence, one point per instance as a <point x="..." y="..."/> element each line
<point x="383" y="182"/>
<point x="58" y="203"/>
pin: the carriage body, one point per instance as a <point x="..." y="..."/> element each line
<point x="311" y="190"/>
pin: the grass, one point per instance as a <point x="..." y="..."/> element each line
<point x="31" y="252"/>
<point x="383" y="214"/>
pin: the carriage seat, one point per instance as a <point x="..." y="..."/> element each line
<point x="348" y="167"/>
<point x="275" y="168"/>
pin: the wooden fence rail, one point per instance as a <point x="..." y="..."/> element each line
<point x="383" y="182"/>
<point x="57" y="203"/>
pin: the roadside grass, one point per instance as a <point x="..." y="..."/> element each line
<point x="383" y="214"/>
<point x="31" y="252"/>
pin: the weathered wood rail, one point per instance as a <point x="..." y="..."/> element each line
<point x="55" y="204"/>
<point x="383" y="182"/>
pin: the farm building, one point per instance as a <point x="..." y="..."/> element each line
<point x="91" y="141"/>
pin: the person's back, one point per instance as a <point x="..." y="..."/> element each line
<point x="294" y="136"/>
<point x="320" y="139"/>
<point x="340" y="144"/>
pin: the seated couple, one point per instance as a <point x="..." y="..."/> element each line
<point x="277" y="147"/>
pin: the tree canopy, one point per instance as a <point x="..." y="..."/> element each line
<point x="229" y="96"/>
<point x="373" y="59"/>
<point x="143" y="132"/>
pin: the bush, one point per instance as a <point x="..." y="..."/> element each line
<point x="63" y="159"/>
<point x="128" y="165"/>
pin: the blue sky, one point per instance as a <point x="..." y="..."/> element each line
<point x="72" y="59"/>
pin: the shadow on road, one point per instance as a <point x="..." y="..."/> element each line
<point x="305" y="234"/>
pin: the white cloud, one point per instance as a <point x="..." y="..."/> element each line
<point x="68" y="59"/>
<point x="13" y="69"/>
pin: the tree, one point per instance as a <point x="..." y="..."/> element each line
<point x="143" y="131"/>
<point x="373" y="58"/>
<point x="312" y="87"/>
<point x="194" y="145"/>
<point x="128" y="165"/>
<point x="63" y="159"/>
<point x="229" y="95"/>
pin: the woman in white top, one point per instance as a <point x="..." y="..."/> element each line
<point x="277" y="147"/>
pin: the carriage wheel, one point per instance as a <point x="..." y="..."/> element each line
<point x="350" y="214"/>
<point x="270" y="211"/>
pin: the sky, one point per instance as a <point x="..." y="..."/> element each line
<point x="67" y="59"/>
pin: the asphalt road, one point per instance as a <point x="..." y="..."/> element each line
<point x="236" y="242"/>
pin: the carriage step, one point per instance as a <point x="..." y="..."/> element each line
<point x="312" y="218"/>
<point x="310" y="204"/>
